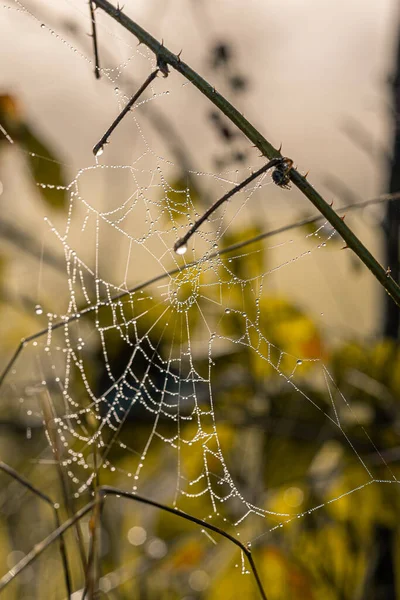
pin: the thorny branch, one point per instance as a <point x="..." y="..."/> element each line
<point x="351" y="240"/>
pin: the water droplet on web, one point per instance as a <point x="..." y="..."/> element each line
<point x="181" y="249"/>
<point x="38" y="309"/>
<point x="299" y="362"/>
<point x="100" y="151"/>
<point x="227" y="311"/>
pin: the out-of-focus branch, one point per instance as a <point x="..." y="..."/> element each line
<point x="391" y="225"/>
<point x="28" y="244"/>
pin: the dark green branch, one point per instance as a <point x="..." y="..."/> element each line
<point x="259" y="141"/>
<point x="95" y="46"/>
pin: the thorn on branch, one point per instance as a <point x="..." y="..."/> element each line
<point x="119" y="10"/>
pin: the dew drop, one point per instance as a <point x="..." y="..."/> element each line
<point x="181" y="249"/>
<point x="227" y="311"/>
<point x="100" y="151"/>
<point x="299" y="362"/>
<point x="38" y="309"/>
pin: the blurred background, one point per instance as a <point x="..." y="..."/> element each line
<point x="257" y="388"/>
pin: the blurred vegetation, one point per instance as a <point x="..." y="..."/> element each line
<point x="279" y="397"/>
<point x="284" y="452"/>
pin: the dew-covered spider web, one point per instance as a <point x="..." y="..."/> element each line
<point x="154" y="364"/>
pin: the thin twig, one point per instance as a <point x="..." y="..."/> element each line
<point x="41" y="546"/>
<point x="94" y="37"/>
<point x="141" y="286"/>
<point x="93" y="569"/>
<point x="48" y="417"/>
<point x="98" y="148"/>
<point x="103" y="492"/>
<point x="91" y="581"/>
<point x="254" y="135"/>
<point x="180" y="246"/>
<point x="27" y="484"/>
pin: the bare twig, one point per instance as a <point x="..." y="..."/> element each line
<point x="94" y="37"/>
<point x="48" y="417"/>
<point x="106" y="491"/>
<point x="41" y="547"/>
<point x="93" y="570"/>
<point x="98" y="148"/>
<point x="27" y="484"/>
<point x="180" y="246"/>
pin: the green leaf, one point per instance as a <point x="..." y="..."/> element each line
<point x="45" y="168"/>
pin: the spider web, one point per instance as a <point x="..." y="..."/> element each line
<point x="132" y="365"/>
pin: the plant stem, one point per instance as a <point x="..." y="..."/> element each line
<point x="102" y="494"/>
<point x="180" y="245"/>
<point x="259" y="141"/>
<point x="98" y="148"/>
<point x="95" y="46"/>
<point x="28" y="485"/>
